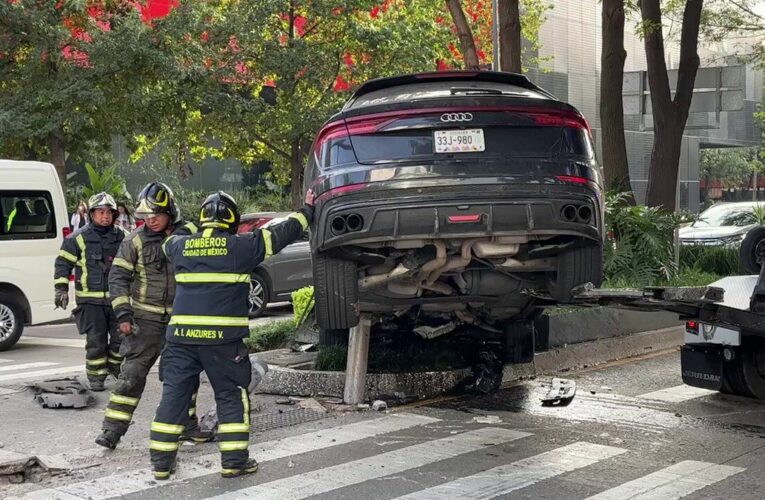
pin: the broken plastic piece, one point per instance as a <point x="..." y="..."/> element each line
<point x="62" y="393"/>
<point x="431" y="332"/>
<point x="561" y="393"/>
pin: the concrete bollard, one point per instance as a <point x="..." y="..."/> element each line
<point x="358" y="357"/>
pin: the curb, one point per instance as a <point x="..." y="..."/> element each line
<point x="308" y="383"/>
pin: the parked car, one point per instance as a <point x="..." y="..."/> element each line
<point x="721" y="224"/>
<point x="446" y="195"/>
<point x="277" y="277"/>
<point x="33" y="224"/>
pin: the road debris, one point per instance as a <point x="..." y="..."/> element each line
<point x="62" y="393"/>
<point x="561" y="393"/>
<point x="487" y="419"/>
<point x="379" y="405"/>
<point x="431" y="332"/>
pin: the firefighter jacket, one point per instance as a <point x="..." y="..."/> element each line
<point x="141" y="283"/>
<point x="90" y="250"/>
<point x="213" y="269"/>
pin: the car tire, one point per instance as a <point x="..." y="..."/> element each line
<point x="753" y="368"/>
<point x="733" y="378"/>
<point x="11" y="322"/>
<point x="580" y="265"/>
<point x="259" y="295"/>
<point x="336" y="292"/>
<point x="753" y="250"/>
<point x="333" y="337"/>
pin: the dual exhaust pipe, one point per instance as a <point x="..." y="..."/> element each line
<point x="346" y="224"/>
<point x="574" y="213"/>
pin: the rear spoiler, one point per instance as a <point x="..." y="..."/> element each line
<point x="456" y="76"/>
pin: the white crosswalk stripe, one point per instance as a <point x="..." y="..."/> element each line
<point x="385" y="464"/>
<point x="48" y="341"/>
<point x="37" y="374"/>
<point x="6" y="361"/>
<point x="26" y="366"/>
<point x="140" y="480"/>
<point x="521" y="474"/>
<point x="676" y="481"/>
<point x="677" y="394"/>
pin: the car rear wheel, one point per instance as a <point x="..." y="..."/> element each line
<point x="259" y="295"/>
<point x="580" y="265"/>
<point x="11" y="322"/>
<point x="752" y="251"/>
<point x="336" y="292"/>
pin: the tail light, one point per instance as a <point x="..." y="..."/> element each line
<point x="692" y="327"/>
<point x="66" y="231"/>
<point x="572" y="179"/>
<point x="350" y="188"/>
<point x="570" y="120"/>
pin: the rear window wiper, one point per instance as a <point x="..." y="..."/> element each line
<point x="474" y="90"/>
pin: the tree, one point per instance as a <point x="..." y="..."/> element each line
<point x="465" y="34"/>
<point x="669" y="114"/>
<point x="63" y="93"/>
<point x="510" y="43"/>
<point x="731" y="167"/>
<point x="612" y="59"/>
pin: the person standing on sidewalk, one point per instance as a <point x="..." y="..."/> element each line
<point x="209" y="321"/>
<point x="91" y="250"/>
<point x="142" y="288"/>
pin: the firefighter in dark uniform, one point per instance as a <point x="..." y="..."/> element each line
<point x="142" y="288"/>
<point x="209" y="321"/>
<point x="91" y="250"/>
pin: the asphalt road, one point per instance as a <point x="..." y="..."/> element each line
<point x="632" y="431"/>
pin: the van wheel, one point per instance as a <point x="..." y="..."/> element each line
<point x="576" y="267"/>
<point x="336" y="292"/>
<point x="11" y="322"/>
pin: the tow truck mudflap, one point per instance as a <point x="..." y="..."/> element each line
<point x="702" y="366"/>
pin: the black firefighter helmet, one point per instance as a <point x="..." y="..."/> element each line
<point x="157" y="198"/>
<point x="220" y="210"/>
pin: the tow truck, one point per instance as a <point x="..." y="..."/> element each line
<point x="724" y="348"/>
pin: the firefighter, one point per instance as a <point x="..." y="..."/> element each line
<point x="209" y="321"/>
<point x="142" y="288"/>
<point x="91" y="249"/>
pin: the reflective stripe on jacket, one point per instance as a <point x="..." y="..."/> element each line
<point x="141" y="283"/>
<point x="90" y="252"/>
<point x="213" y="269"/>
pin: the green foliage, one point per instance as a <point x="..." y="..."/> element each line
<point x="271" y="335"/>
<point x="302" y="304"/>
<point x="106" y="181"/>
<point x="732" y="167"/>
<point x="721" y="261"/>
<point x="759" y="214"/>
<point x="641" y="244"/>
<point x="332" y="358"/>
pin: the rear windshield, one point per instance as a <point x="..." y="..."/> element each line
<point x="499" y="143"/>
<point x="26" y="215"/>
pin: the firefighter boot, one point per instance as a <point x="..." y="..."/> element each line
<point x="196" y="434"/>
<point x="108" y="439"/>
<point x="249" y="467"/>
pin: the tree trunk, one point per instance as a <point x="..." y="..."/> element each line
<point x="57" y="156"/>
<point x="509" y="13"/>
<point x="467" y="42"/>
<point x="296" y="176"/>
<point x="669" y="115"/>
<point x="612" y="59"/>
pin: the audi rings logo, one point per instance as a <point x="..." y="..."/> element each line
<point x="456" y="117"/>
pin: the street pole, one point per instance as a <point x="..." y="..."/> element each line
<point x="495" y="34"/>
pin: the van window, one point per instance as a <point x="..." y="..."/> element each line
<point x="26" y="215"/>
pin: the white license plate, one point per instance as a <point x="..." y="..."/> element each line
<point x="459" y="141"/>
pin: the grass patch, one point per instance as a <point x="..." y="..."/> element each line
<point x="271" y="335"/>
<point x="332" y="358"/>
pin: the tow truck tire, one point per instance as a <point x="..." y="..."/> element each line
<point x="753" y="367"/>
<point x="753" y="250"/>
<point x="733" y="379"/>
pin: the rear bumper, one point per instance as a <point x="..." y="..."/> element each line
<point x="412" y="213"/>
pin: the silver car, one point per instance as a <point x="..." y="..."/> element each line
<point x="276" y="278"/>
<point x="721" y="224"/>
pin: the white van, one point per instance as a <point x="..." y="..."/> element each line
<point x="33" y="224"/>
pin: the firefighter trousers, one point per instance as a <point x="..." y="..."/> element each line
<point x="229" y="370"/>
<point x="102" y="341"/>
<point x="140" y="352"/>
